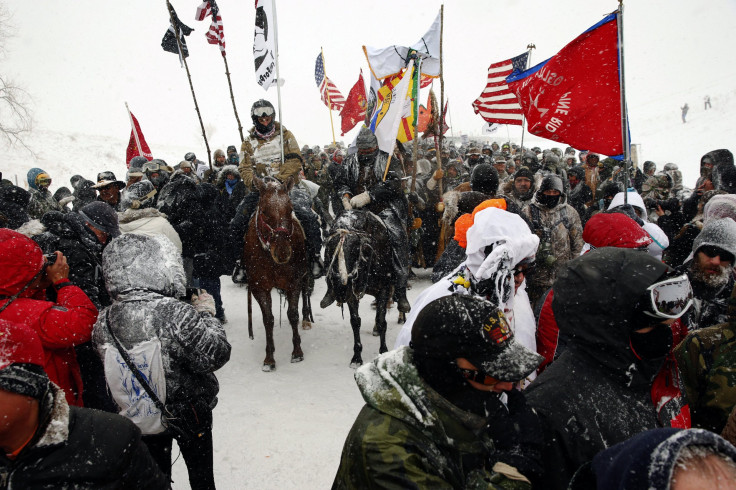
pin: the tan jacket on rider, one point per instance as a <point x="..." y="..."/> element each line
<point x="264" y="155"/>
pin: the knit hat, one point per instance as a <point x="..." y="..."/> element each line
<point x="21" y="361"/>
<point x="720" y="233"/>
<point x="720" y="206"/>
<point x="232" y="149"/>
<point x="465" y="326"/>
<point x="102" y="216"/>
<point x="524" y="172"/>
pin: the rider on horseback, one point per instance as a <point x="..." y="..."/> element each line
<point x="361" y="184"/>
<point x="261" y="157"/>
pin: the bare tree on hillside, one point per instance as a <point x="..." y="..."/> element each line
<point x="16" y="119"/>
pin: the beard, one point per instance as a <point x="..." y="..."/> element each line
<point x="708" y="278"/>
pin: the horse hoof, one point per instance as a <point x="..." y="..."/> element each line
<point x="297" y="358"/>
<point x="356" y="364"/>
<point x="402" y="318"/>
<point x="267" y="368"/>
<point x="376" y="333"/>
<point x="306" y="325"/>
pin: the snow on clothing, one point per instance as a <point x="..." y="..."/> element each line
<point x="661" y="241"/>
<point x="262" y="156"/>
<point x="560" y="232"/>
<point x="609" y="399"/>
<point x="13" y="206"/>
<point x="648" y="460"/>
<point x="60" y="326"/>
<point x="229" y="198"/>
<point x="408" y="436"/>
<point x="148" y="222"/>
<point x="512" y="242"/>
<point x="145" y="276"/>
<point x="80" y="448"/>
<point x="707" y="362"/>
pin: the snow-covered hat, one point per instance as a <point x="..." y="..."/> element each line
<point x="720" y="233"/>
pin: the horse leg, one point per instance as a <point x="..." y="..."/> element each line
<point x="292" y="313"/>
<point x="381" y="320"/>
<point x="357" y="360"/>
<point x="264" y="301"/>
<point x="306" y="292"/>
<point x="382" y="300"/>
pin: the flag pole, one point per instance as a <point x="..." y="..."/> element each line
<point x="622" y="85"/>
<point x="278" y="80"/>
<point x="135" y="133"/>
<point x="327" y="90"/>
<point x="442" y="90"/>
<point x="189" y="76"/>
<point x="232" y="97"/>
<point x="529" y="46"/>
<point x="395" y="128"/>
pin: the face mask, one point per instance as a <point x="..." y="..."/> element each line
<point x="548" y="201"/>
<point x="652" y="345"/>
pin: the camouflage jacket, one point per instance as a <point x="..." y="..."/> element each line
<point x="41" y="203"/>
<point x="262" y="157"/>
<point x="408" y="436"/>
<point x="707" y="362"/>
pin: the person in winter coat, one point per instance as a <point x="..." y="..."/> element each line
<point x="433" y="417"/>
<point x="592" y="173"/>
<point x="220" y="161"/>
<point x="262" y="152"/>
<point x="663" y="459"/>
<point x="710" y="269"/>
<point x="660" y="242"/>
<point x="25" y="273"/>
<point x="580" y="193"/>
<point x="521" y="187"/>
<point x="42" y="200"/>
<point x="558" y="226"/>
<point x="83" y="192"/>
<point x="500" y="250"/>
<point x="230" y="191"/>
<point x="707" y="362"/>
<point x="109" y="189"/>
<point x="145" y="277"/>
<point x="158" y="173"/>
<point x="362" y="185"/>
<point x="48" y="444"/>
<point x="618" y="338"/>
<point x="13" y="206"/>
<point x="140" y="217"/>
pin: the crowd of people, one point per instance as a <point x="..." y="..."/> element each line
<point x="579" y="332"/>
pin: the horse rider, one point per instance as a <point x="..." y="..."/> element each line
<point x="261" y="157"/>
<point x="361" y="184"/>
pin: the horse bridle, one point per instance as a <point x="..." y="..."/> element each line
<point x="364" y="242"/>
<point x="266" y="241"/>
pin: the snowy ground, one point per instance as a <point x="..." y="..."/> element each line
<point x="286" y="429"/>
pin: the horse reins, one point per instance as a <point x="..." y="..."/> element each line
<point x="266" y="243"/>
<point x="340" y="254"/>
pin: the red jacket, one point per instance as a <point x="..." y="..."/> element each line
<point x="60" y="325"/>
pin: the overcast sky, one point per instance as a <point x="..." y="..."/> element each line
<point x="81" y="60"/>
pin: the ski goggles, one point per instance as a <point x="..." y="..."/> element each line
<point x="151" y="167"/>
<point x="263" y="111"/>
<point x="670" y="298"/>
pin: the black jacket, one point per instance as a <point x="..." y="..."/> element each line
<point x="598" y="392"/>
<point x="81" y="448"/>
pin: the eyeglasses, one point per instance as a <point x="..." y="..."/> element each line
<point x="478" y="376"/>
<point x="263" y="111"/>
<point x="670" y="298"/>
<point x="714" y="252"/>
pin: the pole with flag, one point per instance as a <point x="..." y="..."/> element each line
<point x="326" y="82"/>
<point x="266" y="53"/>
<point x="529" y="48"/>
<point x="278" y="81"/>
<point x="624" y="116"/>
<point x="137" y="145"/>
<point x="175" y="22"/>
<point x="216" y="35"/>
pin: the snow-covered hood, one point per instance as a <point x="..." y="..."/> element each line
<point x="222" y="174"/>
<point x="634" y="199"/>
<point x="138" y="262"/>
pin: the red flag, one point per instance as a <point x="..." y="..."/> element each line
<point x="354" y="110"/>
<point x="133" y="149"/>
<point x="575" y="96"/>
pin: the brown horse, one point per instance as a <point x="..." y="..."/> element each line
<point x="275" y="258"/>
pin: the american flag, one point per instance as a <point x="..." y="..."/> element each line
<point x="337" y="101"/>
<point x="215" y="35"/>
<point x="497" y="103"/>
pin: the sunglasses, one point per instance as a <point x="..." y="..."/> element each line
<point x="670" y="298"/>
<point x="263" y="112"/>
<point x="714" y="252"/>
<point x="478" y="376"/>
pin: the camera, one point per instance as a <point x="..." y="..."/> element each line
<point x="672" y="204"/>
<point x="50" y="259"/>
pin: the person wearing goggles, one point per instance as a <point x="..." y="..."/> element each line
<point x="710" y="268"/>
<point x="158" y="173"/>
<point x="614" y="307"/>
<point x="262" y="152"/>
<point x="448" y="385"/>
<point x="42" y="200"/>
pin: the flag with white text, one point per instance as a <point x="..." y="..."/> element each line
<point x="264" y="44"/>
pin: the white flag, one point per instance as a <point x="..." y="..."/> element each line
<point x="397" y="103"/>
<point x="386" y="62"/>
<point x="264" y="44"/>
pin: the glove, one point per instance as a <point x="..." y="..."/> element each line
<point x="383" y="191"/>
<point x="346" y="203"/>
<point x="517" y="435"/>
<point x="412" y="197"/>
<point x="204" y="302"/>
<point x="66" y="201"/>
<point x="360" y="200"/>
<point x="438" y="174"/>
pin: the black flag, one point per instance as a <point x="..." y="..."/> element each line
<point x="169" y="40"/>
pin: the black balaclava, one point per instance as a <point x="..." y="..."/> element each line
<point x="550" y="182"/>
